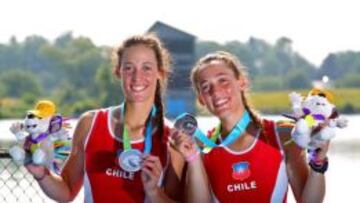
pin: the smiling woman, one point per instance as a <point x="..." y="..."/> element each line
<point x="243" y="145"/>
<point x="124" y="146"/>
<point x="139" y="73"/>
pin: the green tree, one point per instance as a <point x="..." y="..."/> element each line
<point x="18" y="82"/>
<point x="349" y="80"/>
<point x="267" y="83"/>
<point x="109" y="87"/>
<point x="297" y="79"/>
<point x="204" y="47"/>
<point x="63" y="40"/>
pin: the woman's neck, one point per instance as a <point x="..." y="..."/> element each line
<point x="245" y="141"/>
<point x="229" y="122"/>
<point x="247" y="137"/>
<point x="136" y="115"/>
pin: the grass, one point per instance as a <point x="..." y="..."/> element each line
<point x="346" y="100"/>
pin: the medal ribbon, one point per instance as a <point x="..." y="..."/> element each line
<point x="126" y="138"/>
<point x="235" y="133"/>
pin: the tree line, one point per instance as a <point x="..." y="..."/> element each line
<point x="77" y="74"/>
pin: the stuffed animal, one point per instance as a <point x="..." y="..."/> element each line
<point x="316" y="118"/>
<point x="39" y="135"/>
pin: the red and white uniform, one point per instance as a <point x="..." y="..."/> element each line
<point x="257" y="174"/>
<point x="104" y="179"/>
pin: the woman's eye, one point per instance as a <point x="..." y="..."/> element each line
<point x="223" y="81"/>
<point x="147" y="68"/>
<point x="127" y="68"/>
<point x="205" y="87"/>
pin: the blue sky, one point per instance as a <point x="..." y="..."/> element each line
<point x="317" y="27"/>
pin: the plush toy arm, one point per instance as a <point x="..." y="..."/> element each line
<point x="296" y="99"/>
<point x="296" y="102"/>
<point x="341" y="122"/>
<point x="17" y="130"/>
<point x="301" y="133"/>
<point x="62" y="134"/>
<point x="18" y="154"/>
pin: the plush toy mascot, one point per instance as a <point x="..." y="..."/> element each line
<point x="316" y="118"/>
<point x="41" y="138"/>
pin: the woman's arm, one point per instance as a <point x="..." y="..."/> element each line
<point x="174" y="177"/>
<point x="66" y="186"/>
<point x="197" y="187"/>
<point x="314" y="190"/>
<point x="150" y="176"/>
<point x="307" y="185"/>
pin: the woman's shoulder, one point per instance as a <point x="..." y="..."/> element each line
<point x="283" y="127"/>
<point x="87" y="119"/>
<point x="279" y="130"/>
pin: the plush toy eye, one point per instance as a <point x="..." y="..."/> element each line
<point x="30" y="116"/>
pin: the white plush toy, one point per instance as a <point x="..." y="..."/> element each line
<point x="37" y="134"/>
<point x="316" y="118"/>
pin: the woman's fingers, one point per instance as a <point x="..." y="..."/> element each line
<point x="322" y="150"/>
<point x="153" y="163"/>
<point x="151" y="171"/>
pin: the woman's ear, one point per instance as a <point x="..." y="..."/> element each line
<point x="201" y="100"/>
<point x="243" y="82"/>
<point x="116" y="71"/>
<point x="161" y="75"/>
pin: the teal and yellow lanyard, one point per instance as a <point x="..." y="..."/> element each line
<point x="234" y="134"/>
<point x="126" y="137"/>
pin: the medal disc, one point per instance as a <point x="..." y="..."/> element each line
<point x="130" y="160"/>
<point x="186" y="123"/>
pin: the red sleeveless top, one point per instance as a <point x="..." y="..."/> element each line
<point x="257" y="174"/>
<point x="105" y="180"/>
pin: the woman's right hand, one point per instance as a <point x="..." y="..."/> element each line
<point x="38" y="171"/>
<point x="183" y="143"/>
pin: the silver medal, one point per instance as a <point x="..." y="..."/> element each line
<point x="186" y="123"/>
<point x="130" y="160"/>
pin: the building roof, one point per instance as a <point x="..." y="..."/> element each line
<point x="158" y="26"/>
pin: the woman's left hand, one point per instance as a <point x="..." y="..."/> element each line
<point x="151" y="172"/>
<point x="322" y="149"/>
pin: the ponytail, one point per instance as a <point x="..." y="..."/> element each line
<point x="159" y="117"/>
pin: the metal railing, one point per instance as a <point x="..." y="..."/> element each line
<point x="16" y="183"/>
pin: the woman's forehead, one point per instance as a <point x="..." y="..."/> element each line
<point x="214" y="68"/>
<point x="137" y="52"/>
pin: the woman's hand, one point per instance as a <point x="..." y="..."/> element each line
<point x="151" y="172"/>
<point x="39" y="172"/>
<point x="322" y="149"/>
<point x="184" y="144"/>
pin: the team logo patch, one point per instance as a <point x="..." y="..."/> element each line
<point x="241" y="170"/>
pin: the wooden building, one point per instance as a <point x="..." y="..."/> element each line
<point x="179" y="96"/>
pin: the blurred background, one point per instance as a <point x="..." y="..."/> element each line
<point x="62" y="51"/>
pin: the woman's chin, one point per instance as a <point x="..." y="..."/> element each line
<point x="222" y="112"/>
<point x="138" y="98"/>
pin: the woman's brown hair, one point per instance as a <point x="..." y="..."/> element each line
<point x="164" y="64"/>
<point x="239" y="70"/>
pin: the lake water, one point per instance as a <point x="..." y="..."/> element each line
<point x="344" y="156"/>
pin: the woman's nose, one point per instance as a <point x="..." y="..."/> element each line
<point x="215" y="89"/>
<point x="137" y="75"/>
